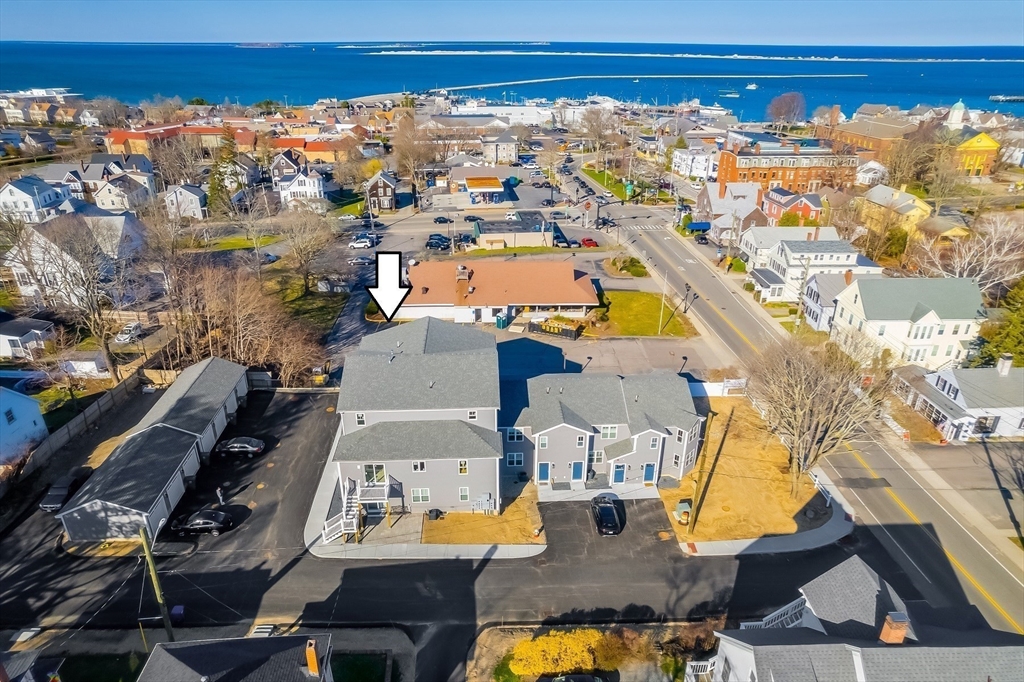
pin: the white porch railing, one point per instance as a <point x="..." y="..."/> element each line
<point x="699" y="671"/>
<point x="348" y="520"/>
<point x="786" y="617"/>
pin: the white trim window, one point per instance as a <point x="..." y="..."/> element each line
<point x="419" y="466"/>
<point x="595" y="457"/>
<point x="609" y="432"/>
<point x="655" y="442"/>
<point x="542" y="442"/>
<point x="421" y="494"/>
<point x="464" y="494"/>
<point x="514" y="459"/>
<point x="463" y="467"/>
<point x="581" y="441"/>
<point x="514" y="436"/>
<point x="472" y="415"/>
<point x="679" y="435"/>
<point x="676" y="461"/>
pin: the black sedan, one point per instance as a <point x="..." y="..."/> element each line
<point x="701" y="239"/>
<point x="240" y="446"/>
<point x="472" y="218"/>
<point x="441" y="220"/>
<point x="607" y="517"/>
<point x="62" y="490"/>
<point x="434" y="245"/>
<point x="206" y="521"/>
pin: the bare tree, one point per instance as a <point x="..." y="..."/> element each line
<point x="164" y="109"/>
<point x="410" y="149"/>
<point x="109" y="111"/>
<point x="993" y="255"/>
<point x="54" y="360"/>
<point x="179" y="159"/>
<point x="448" y="141"/>
<point x="597" y="125"/>
<point x="308" y="236"/>
<point x="806" y="393"/>
<point x="22" y="248"/>
<point x="845" y="219"/>
<point x="906" y="160"/>
<point x="787" y="108"/>
<point x="253" y="218"/>
<point x="522" y="133"/>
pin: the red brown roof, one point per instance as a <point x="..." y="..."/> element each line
<point x="500" y="283"/>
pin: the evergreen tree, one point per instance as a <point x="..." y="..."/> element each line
<point x="1007" y="335"/>
<point x="218" y="196"/>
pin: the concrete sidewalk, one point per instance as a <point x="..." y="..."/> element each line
<point x="338" y="550"/>
<point x="839" y="525"/>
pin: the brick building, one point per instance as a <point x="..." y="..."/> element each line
<point x="800" y="167"/>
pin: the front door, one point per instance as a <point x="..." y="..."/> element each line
<point x="619" y="473"/>
<point x="544" y="472"/>
<point x="649" y="472"/>
<point x="577" y="471"/>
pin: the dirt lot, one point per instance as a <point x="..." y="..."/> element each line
<point x="748" y="491"/>
<point x="921" y="430"/>
<point x="514" y="526"/>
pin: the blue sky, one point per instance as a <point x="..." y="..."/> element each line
<point x="758" y="22"/>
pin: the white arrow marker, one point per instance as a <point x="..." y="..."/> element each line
<point x="389" y="292"/>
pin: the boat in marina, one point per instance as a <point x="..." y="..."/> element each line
<point x="751" y="86"/>
<point x="728" y="94"/>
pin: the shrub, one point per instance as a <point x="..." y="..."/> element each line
<point x="687" y="219"/>
<point x="738" y="265"/>
<point x="502" y="672"/>
<point x="371" y="308"/>
<point x="555" y="652"/>
<point x="611" y="651"/>
<point x="748" y="286"/>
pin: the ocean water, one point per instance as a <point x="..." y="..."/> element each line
<point x="654" y="73"/>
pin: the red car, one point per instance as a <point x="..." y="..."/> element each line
<point x="588" y="243"/>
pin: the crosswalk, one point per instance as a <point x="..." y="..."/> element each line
<point x="643" y="227"/>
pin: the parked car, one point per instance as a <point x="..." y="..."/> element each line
<point x="601" y="201"/>
<point x="574" y="244"/>
<point x="268" y="258"/>
<point x="375" y="238"/>
<point x="361" y="260"/>
<point x="546" y="184"/>
<point x="608" y="193"/>
<point x="560" y="242"/>
<point x="369" y="216"/>
<point x="363" y="243"/>
<point x="558" y="215"/>
<point x="347" y="217"/>
<point x="441" y="220"/>
<point x="569" y="159"/>
<point x="243" y="445"/>
<point x="210" y="521"/>
<point x="536" y="173"/>
<point x="370" y="224"/>
<point x="532" y="165"/>
<point x="472" y="218"/>
<point x="63" y="489"/>
<point x="588" y="243"/>
<point x="696" y="185"/>
<point x="514" y="164"/>
<point x="607" y="517"/>
<point x="701" y="239"/>
<point x="547" y="203"/>
<point x="463" y="238"/>
<point x="438" y="237"/>
<point x="434" y="245"/>
<point x="129" y="333"/>
<point x="535" y="185"/>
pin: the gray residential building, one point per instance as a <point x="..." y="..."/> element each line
<point x="289" y="658"/>
<point x="850" y="624"/>
<point x="500" y="148"/>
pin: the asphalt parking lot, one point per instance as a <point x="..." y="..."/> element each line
<point x="267" y="496"/>
<point x="572" y="537"/>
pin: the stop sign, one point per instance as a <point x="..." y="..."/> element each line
<point x="587" y="205"/>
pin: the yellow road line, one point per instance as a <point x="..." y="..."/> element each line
<point x="740" y="334"/>
<point x="949" y="555"/>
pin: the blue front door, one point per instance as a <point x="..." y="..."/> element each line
<point x="577" y="471"/>
<point x="619" y="474"/>
<point x="544" y="472"/>
<point x="649" y="472"/>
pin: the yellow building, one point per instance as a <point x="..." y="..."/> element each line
<point x="976" y="154"/>
<point x="883" y="208"/>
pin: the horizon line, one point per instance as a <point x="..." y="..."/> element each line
<point x="524" y="41"/>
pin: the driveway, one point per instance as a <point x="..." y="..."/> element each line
<point x="268" y="496"/>
<point x="572" y="538"/>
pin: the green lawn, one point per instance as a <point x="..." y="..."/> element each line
<point x="635" y="313"/>
<point x="608" y="181"/>
<point x="316" y="309"/>
<point x="239" y="242"/>
<point x="106" y="667"/>
<point x="6" y="300"/>
<point x="361" y="668"/>
<point x="58" y="408"/>
<point x="804" y="332"/>
<point x="351" y="204"/>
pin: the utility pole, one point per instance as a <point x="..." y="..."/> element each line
<point x="698" y="484"/>
<point x="156" y="584"/>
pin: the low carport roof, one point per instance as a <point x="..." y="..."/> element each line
<point x="195" y="396"/>
<point x="766" y="278"/>
<point x="137" y="471"/>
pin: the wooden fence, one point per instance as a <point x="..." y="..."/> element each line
<point x="62" y="436"/>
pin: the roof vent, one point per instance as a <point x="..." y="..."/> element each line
<point x="636" y="398"/>
<point x="1004" y="364"/>
<point x="424" y="290"/>
<point x="472" y="289"/>
<point x="559" y="390"/>
<point x="430" y="385"/>
<point x="547" y="390"/>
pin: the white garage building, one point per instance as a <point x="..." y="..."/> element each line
<point x="145" y="477"/>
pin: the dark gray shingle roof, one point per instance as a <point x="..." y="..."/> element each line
<point x="982" y="387"/>
<point x="20" y="326"/>
<point x="261" y="659"/>
<point x="191" y="401"/>
<point x="428" y="364"/>
<point x="389" y="441"/>
<point x="137" y="471"/>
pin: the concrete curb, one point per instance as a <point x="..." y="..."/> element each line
<point x="836" y="528"/>
<point x="419" y="551"/>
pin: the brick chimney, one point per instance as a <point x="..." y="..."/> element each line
<point x="757" y="148"/>
<point x="1004" y="364"/>
<point x="894" y="629"/>
<point x="721" y="189"/>
<point x="810" y="235"/>
<point x="735" y="147"/>
<point x="848" y="277"/>
<point x="817" y="233"/>
<point x="760" y="196"/>
<point x="313" y="661"/>
<point x="801" y="222"/>
<point x="796" y="147"/>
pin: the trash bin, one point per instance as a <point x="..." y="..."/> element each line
<point x="434" y="514"/>
<point x="178" y="615"/>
